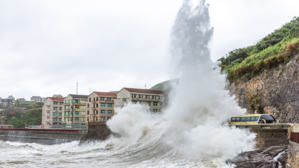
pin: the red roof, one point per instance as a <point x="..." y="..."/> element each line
<point x="144" y="91"/>
<point x="106" y="94"/>
<point x="57" y="98"/>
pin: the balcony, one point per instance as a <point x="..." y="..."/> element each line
<point x="79" y="103"/>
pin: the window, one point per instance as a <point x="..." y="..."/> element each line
<point x="64" y="113"/>
<point x="102" y="118"/>
<point x="243" y="118"/>
<point x="149" y="103"/>
<point x="103" y="111"/>
<point x="140" y="96"/>
<point x="108" y="99"/>
<point x="77" y="113"/>
<point x="90" y="99"/>
<point x="102" y="98"/>
<point x="87" y="112"/>
<point x="60" y="119"/>
<point x="76" y="101"/>
<point x="77" y="107"/>
<point x="76" y="118"/>
<point x="60" y="108"/>
<point x="109" y="111"/>
<point x="97" y="105"/>
<point x="55" y="108"/>
<point x="155" y="110"/>
<point x="158" y="97"/>
<point x="97" y="99"/>
<point x="160" y="103"/>
<point x="65" y="101"/>
<point x="155" y="103"/>
<point x="97" y="112"/>
<point x="54" y="119"/>
<point x="103" y="105"/>
<point x="153" y="97"/>
<point x="60" y="114"/>
<point x="61" y="103"/>
<point x="97" y="119"/>
<point x="109" y="105"/>
<point x="64" y="119"/>
<point x="55" y="103"/>
<point x="54" y="114"/>
<point x="134" y="95"/>
<point x="87" y="105"/>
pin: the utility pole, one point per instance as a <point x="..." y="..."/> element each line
<point x="77" y="88"/>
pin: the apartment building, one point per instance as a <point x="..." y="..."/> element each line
<point x="52" y="111"/>
<point x="153" y="98"/>
<point x="36" y="99"/>
<point x="100" y="106"/>
<point x="74" y="110"/>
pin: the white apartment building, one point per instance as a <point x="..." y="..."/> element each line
<point x="153" y="98"/>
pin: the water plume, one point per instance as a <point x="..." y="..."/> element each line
<point x="194" y="123"/>
<point x="201" y="105"/>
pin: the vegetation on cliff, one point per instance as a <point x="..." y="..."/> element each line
<point x="272" y="50"/>
<point x="33" y="115"/>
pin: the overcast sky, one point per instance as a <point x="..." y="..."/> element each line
<point x="46" y="46"/>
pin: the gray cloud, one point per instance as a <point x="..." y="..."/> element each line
<point x="48" y="46"/>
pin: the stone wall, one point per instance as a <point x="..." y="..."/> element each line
<point x="274" y="91"/>
<point x="98" y="132"/>
<point x="293" y="155"/>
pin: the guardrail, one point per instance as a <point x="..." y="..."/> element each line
<point x="60" y="126"/>
<point x="40" y="130"/>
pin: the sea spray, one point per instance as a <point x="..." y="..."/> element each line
<point x="201" y="105"/>
<point x="194" y="123"/>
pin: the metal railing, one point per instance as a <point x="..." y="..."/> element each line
<point x="60" y="126"/>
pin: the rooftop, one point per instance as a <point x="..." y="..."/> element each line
<point x="79" y="96"/>
<point x="56" y="98"/>
<point x="106" y="94"/>
<point x="143" y="91"/>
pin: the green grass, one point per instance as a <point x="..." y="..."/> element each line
<point x="266" y="53"/>
<point x="265" y="59"/>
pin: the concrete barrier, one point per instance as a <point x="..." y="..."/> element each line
<point x="268" y="134"/>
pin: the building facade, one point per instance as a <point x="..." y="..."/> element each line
<point x="8" y="102"/>
<point x="52" y="111"/>
<point x="153" y="98"/>
<point x="74" y="110"/>
<point x="36" y="99"/>
<point x="100" y="106"/>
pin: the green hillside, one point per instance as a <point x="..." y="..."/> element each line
<point x="269" y="52"/>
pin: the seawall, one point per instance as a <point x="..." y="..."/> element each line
<point x="41" y="136"/>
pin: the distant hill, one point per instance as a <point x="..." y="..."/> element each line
<point x="164" y="86"/>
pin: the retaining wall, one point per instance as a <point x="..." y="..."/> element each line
<point x="41" y="136"/>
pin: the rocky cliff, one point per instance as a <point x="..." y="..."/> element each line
<point x="273" y="91"/>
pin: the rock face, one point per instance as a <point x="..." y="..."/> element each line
<point x="273" y="91"/>
<point x="255" y="159"/>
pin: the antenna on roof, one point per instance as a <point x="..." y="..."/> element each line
<point x="77" y="88"/>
